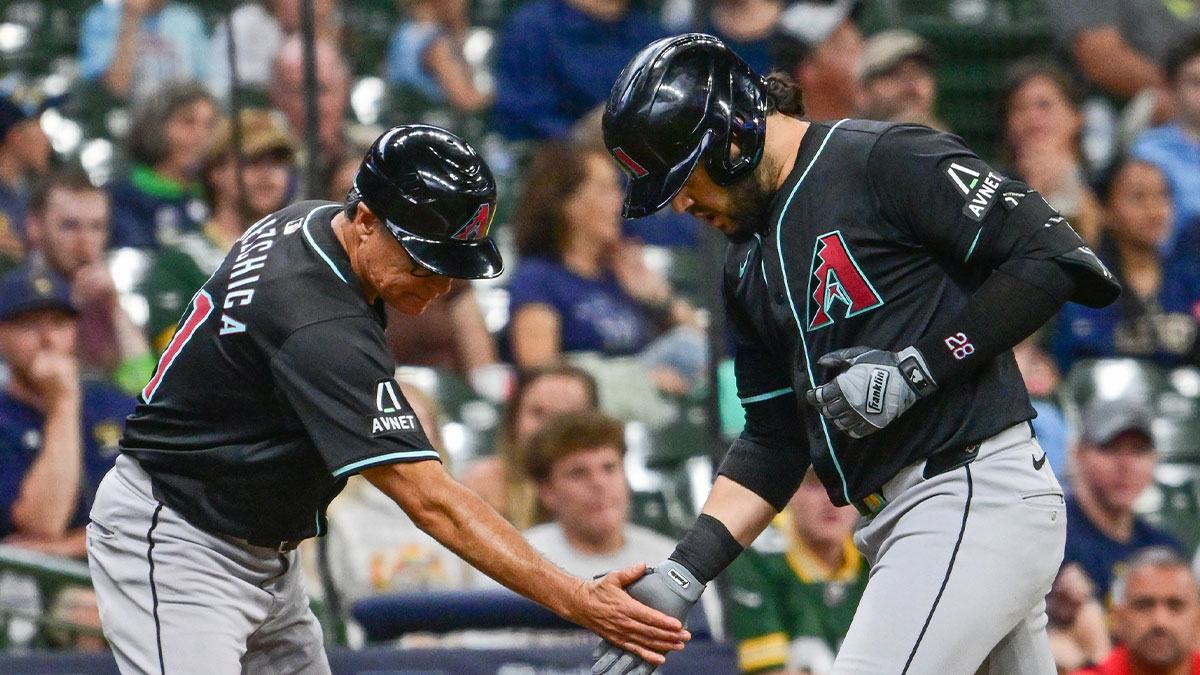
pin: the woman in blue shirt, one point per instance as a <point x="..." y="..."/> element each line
<point x="581" y="287"/>
<point x="1157" y="315"/>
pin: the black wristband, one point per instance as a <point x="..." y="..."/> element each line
<point x="706" y="549"/>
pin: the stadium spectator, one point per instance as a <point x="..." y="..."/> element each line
<point x="746" y="26"/>
<point x="791" y="595"/>
<point x="1155" y="617"/>
<point x="160" y="198"/>
<point x="540" y="394"/>
<point x="268" y="166"/>
<point x="24" y="155"/>
<point x="259" y="30"/>
<point x="1116" y="47"/>
<point x="1077" y="624"/>
<point x="135" y="47"/>
<point x="1156" y="316"/>
<point x="1175" y="147"/>
<point x="819" y="46"/>
<point x="1042" y="124"/>
<point x="69" y="224"/>
<point x="582" y="287"/>
<point x="558" y="58"/>
<point x="1114" y="463"/>
<point x="374" y="547"/>
<point x="425" y="56"/>
<point x="333" y="89"/>
<point x="897" y="79"/>
<point x="58" y="435"/>
<point x="577" y="462"/>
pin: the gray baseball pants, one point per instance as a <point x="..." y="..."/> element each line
<point x="960" y="567"/>
<point x="175" y="599"/>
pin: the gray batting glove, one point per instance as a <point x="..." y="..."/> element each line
<point x="671" y="589"/>
<point x="876" y="387"/>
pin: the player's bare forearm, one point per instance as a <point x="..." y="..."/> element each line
<point x="742" y="512"/>
<point x="464" y="523"/>
<point x="50" y="490"/>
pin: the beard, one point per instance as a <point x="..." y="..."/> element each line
<point x="750" y="203"/>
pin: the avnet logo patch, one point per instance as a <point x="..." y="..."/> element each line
<point x="390" y="416"/>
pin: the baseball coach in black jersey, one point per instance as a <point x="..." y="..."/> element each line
<point x="877" y="278"/>
<point x="276" y="387"/>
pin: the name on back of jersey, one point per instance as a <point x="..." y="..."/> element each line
<point x="255" y="244"/>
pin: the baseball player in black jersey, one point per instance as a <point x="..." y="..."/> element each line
<point x="278" y="386"/>
<point x="878" y="277"/>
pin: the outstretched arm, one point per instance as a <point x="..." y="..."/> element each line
<point x="460" y="520"/>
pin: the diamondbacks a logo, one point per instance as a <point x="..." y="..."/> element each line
<point x="634" y="169"/>
<point x="836" y="277"/>
<point x="477" y="226"/>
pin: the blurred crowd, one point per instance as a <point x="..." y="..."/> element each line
<point x="140" y="138"/>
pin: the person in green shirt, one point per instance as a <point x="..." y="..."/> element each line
<point x="268" y="164"/>
<point x="790" y="597"/>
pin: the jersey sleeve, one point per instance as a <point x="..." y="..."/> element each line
<point x="754" y="616"/>
<point x="338" y="377"/>
<point x="940" y="195"/>
<point x="770" y="456"/>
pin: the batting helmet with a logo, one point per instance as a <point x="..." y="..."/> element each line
<point x="436" y="195"/>
<point x="680" y="100"/>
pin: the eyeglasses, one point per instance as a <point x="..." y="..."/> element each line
<point x="420" y="271"/>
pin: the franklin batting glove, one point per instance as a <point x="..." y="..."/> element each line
<point x="671" y="589"/>
<point x="876" y="387"/>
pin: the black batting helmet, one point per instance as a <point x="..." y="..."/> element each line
<point x="436" y="195"/>
<point x="680" y="100"/>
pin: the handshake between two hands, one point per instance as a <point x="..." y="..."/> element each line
<point x="672" y="590"/>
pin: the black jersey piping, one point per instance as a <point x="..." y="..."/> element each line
<point x="162" y="668"/>
<point x="792" y="303"/>
<point x="949" y="567"/>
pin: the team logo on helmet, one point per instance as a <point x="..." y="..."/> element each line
<point x="477" y="226"/>
<point x="634" y="169"/>
<point x="836" y="276"/>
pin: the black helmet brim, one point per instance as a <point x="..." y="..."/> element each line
<point x="458" y="259"/>
<point x="649" y="193"/>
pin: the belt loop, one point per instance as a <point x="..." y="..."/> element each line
<point x="871" y="505"/>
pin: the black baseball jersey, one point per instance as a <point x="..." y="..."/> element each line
<point x="277" y="385"/>
<point x="871" y="241"/>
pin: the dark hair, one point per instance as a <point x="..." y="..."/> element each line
<point x="147" y="142"/>
<point x="567" y="433"/>
<point x="1024" y="70"/>
<point x="1184" y="50"/>
<point x="71" y="178"/>
<point x="525" y="380"/>
<point x="1019" y="74"/>
<point x="1107" y="181"/>
<point x="556" y="171"/>
<point x="784" y="95"/>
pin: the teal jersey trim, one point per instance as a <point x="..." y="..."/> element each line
<point x="407" y="455"/>
<point x="973" y="244"/>
<point x="787" y="287"/>
<point x="765" y="397"/>
<point x="308" y="237"/>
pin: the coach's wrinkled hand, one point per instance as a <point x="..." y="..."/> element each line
<point x="669" y="587"/>
<point x="874" y="387"/>
<point x="604" y="607"/>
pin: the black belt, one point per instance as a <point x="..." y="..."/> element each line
<point x="935" y="465"/>
<point x="276" y="545"/>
